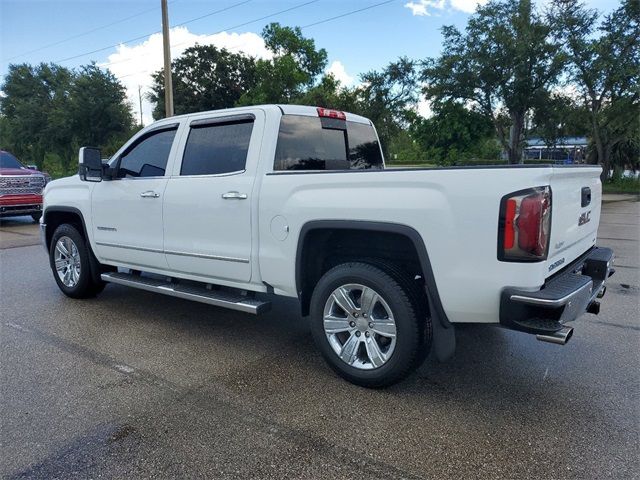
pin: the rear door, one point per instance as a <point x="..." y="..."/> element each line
<point x="208" y="200"/>
<point x="575" y="215"/>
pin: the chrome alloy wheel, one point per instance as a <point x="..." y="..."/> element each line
<point x="67" y="261"/>
<point x="359" y="326"/>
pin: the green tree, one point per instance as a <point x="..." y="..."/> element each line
<point x="605" y="66"/>
<point x="503" y="61"/>
<point x="389" y="98"/>
<point x="49" y="111"/>
<point x="454" y="134"/>
<point x="35" y="99"/>
<point x="294" y="68"/>
<point x="559" y="116"/>
<point x="98" y="111"/>
<point x="204" y="78"/>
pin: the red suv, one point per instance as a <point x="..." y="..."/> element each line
<point x="20" y="188"/>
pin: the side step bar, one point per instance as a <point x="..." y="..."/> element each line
<point x="190" y="292"/>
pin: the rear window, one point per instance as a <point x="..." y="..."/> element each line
<point x="303" y="144"/>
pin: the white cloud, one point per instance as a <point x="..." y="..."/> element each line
<point x="422" y="7"/>
<point x="338" y="71"/>
<point x="134" y="64"/>
<point x="426" y="7"/>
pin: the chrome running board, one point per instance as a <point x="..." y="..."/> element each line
<point x="195" y="292"/>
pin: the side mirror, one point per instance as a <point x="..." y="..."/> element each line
<point x="32" y="167"/>
<point x="90" y="164"/>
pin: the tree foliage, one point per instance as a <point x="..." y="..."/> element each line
<point x="604" y="66"/>
<point x="501" y="65"/>
<point x="204" y="78"/>
<point x="48" y="111"/>
<point x="453" y="134"/>
<point x="294" y="67"/>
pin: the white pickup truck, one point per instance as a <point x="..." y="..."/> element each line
<point x="230" y="207"/>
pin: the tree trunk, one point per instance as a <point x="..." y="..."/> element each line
<point x="601" y="156"/>
<point x="515" y="135"/>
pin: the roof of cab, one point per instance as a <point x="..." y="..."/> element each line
<point x="285" y="109"/>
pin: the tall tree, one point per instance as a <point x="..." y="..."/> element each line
<point x="500" y="65"/>
<point x="389" y="98"/>
<point x="294" y="67"/>
<point x="204" y="78"/>
<point x="33" y="106"/>
<point x="48" y="110"/>
<point x="454" y="133"/>
<point x="605" y="65"/>
<point x="98" y="109"/>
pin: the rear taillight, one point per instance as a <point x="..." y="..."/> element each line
<point x="524" y="225"/>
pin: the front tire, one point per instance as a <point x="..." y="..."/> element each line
<point x="69" y="258"/>
<point x="367" y="325"/>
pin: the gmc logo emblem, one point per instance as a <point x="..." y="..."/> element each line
<point x="584" y="218"/>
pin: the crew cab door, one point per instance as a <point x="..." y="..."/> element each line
<point x="208" y="199"/>
<point x="127" y="210"/>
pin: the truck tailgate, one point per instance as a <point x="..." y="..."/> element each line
<point x="575" y="214"/>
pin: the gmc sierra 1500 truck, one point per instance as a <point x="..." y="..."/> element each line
<point x="226" y="207"/>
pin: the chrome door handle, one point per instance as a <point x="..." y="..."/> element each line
<point x="149" y="194"/>
<point x="234" y="195"/>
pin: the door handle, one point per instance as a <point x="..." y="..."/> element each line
<point x="234" y="195"/>
<point x="149" y="194"/>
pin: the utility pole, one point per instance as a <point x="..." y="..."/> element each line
<point x="168" y="84"/>
<point x="140" y="103"/>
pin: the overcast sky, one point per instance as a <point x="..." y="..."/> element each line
<point x="119" y="35"/>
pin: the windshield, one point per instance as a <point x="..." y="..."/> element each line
<point x="9" y="161"/>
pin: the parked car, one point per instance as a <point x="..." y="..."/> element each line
<point x="20" y="188"/>
<point x="223" y="206"/>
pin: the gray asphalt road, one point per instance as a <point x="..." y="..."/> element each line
<point x="135" y="385"/>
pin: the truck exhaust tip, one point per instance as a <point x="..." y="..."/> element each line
<point x="561" y="337"/>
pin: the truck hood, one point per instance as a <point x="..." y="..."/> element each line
<point x="19" y="171"/>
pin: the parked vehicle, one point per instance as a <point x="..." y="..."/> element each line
<point x="20" y="188"/>
<point x="224" y="206"/>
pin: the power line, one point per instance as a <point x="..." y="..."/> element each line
<point x="153" y="33"/>
<point x="326" y="20"/>
<point x="44" y="47"/>
<point x="226" y="29"/>
<point x="347" y="14"/>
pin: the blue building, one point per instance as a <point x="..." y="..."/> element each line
<point x="565" y="149"/>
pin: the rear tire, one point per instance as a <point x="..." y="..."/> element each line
<point x="36" y="216"/>
<point x="378" y="338"/>
<point x="70" y="261"/>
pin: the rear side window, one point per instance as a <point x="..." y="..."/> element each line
<point x="303" y="144"/>
<point x="217" y="148"/>
<point x="148" y="156"/>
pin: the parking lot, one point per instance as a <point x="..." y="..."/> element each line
<point x="136" y="385"/>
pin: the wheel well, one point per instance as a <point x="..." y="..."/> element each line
<point x="53" y="219"/>
<point x="324" y="248"/>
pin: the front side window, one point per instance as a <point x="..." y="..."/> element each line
<point x="304" y="144"/>
<point x="148" y="157"/>
<point x="217" y="148"/>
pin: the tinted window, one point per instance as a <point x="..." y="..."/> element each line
<point x="304" y="145"/>
<point x="217" y="148"/>
<point x="9" y="161"/>
<point x="148" y="157"/>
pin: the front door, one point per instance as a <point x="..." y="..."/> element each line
<point x="127" y="211"/>
<point x="207" y="208"/>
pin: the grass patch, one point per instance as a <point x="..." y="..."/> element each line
<point x="622" y="185"/>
